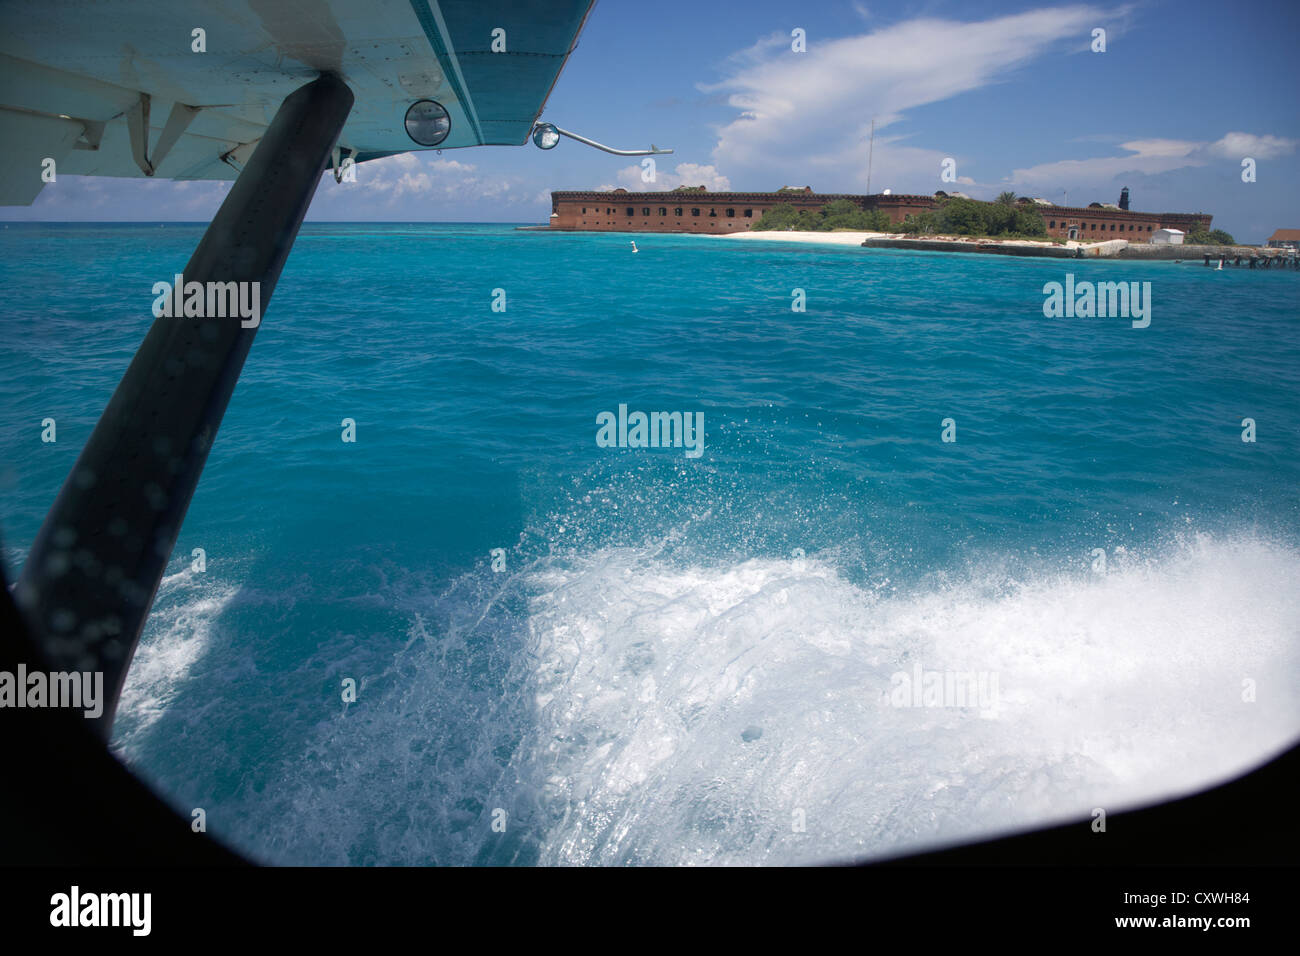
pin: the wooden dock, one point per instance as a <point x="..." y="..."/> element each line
<point x="1285" y="260"/>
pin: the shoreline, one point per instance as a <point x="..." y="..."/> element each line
<point x="1117" y="249"/>
<point x="815" y="238"/>
<point x="1120" y="249"/>
<point x="888" y="240"/>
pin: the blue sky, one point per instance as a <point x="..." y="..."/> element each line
<point x="1012" y="91"/>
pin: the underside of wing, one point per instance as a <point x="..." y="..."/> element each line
<point x="185" y="89"/>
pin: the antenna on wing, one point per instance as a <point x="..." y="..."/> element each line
<point x="547" y="136"/>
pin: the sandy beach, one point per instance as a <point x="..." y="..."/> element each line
<point x="1104" y="248"/>
<point x="857" y="238"/>
<point x="821" y="238"/>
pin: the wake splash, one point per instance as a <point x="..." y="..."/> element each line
<point x="614" y="707"/>
<point x="704" y="714"/>
<point x="182" y="626"/>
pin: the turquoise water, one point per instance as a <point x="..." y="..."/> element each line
<point x="657" y="674"/>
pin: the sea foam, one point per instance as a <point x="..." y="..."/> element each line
<point x="741" y="713"/>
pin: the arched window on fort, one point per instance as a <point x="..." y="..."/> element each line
<point x="713" y="214"/>
<point x="1052" y="224"/>
<point x="663" y="210"/>
<point x="645" y="210"/>
<point x="631" y="211"/>
<point x="1112" y="227"/>
<point x="731" y="214"/>
<point x="677" y="211"/>
<point x="749" y="214"/>
<point x="695" y="210"/>
<point x="584" y="210"/>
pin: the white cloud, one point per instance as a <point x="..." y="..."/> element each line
<point x="395" y="180"/>
<point x="685" y="174"/>
<point x="813" y="111"/>
<point x="1148" y="157"/>
<point x="1240" y="145"/>
<point x="1141" y="156"/>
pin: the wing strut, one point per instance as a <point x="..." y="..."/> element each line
<point x="94" y="568"/>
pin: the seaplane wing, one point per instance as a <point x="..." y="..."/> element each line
<point x="184" y="89"/>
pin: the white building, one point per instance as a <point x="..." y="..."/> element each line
<point x="1172" y="237"/>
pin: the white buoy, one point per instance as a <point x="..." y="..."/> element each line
<point x="634" y="248"/>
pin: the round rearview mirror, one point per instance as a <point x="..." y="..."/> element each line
<point x="427" y="122"/>
<point x="545" y="136"/>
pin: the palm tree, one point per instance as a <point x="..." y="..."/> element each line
<point x="1006" y="199"/>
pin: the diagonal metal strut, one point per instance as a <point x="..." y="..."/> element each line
<point x="93" y="571"/>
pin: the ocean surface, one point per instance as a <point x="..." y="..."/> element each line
<point x="678" y="659"/>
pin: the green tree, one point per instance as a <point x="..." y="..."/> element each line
<point x="780" y="217"/>
<point x="1212" y="237"/>
<point x="1029" y="222"/>
<point x="877" y="220"/>
<point x="965" y="217"/>
<point x="843" y="214"/>
<point x="970" y="217"/>
<point x="920" y="223"/>
<point x="810" y="220"/>
<point x="841" y="207"/>
<point x="840" y="214"/>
